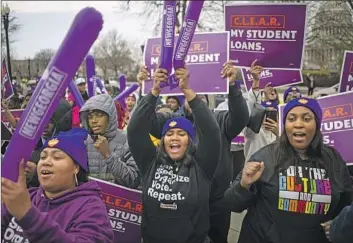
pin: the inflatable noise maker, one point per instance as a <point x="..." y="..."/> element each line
<point x="59" y="73"/>
<point x="76" y="94"/>
<point x="91" y="75"/>
<point x="167" y="60"/>
<point x="122" y="82"/>
<point x="101" y="86"/>
<point x="123" y="95"/>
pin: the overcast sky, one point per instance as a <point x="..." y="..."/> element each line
<point x="45" y="23"/>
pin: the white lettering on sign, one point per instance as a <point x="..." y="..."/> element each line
<point x="42" y="102"/>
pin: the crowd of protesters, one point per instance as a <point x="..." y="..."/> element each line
<point x="181" y="138"/>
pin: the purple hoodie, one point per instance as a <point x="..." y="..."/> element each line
<point x="78" y="216"/>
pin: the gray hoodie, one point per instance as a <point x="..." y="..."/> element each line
<point x="114" y="168"/>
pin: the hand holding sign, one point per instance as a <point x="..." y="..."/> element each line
<point x="51" y="88"/>
<point x="230" y="72"/>
<point x="143" y="75"/>
<point x="255" y="71"/>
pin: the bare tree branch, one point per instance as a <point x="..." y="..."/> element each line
<point x="43" y="57"/>
<point x="113" y="53"/>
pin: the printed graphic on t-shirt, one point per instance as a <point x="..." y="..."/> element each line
<point x="304" y="190"/>
<point x="14" y="233"/>
<point x="162" y="186"/>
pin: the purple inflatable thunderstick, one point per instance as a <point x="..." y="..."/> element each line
<point x="60" y="71"/>
<point x="185" y="37"/>
<point x="167" y="39"/>
<point x="101" y="86"/>
<point x="91" y="75"/>
<point x="79" y="101"/>
<point x="122" y="96"/>
<point x="122" y="82"/>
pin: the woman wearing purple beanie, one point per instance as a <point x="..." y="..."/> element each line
<point x="294" y="187"/>
<point x="66" y="208"/>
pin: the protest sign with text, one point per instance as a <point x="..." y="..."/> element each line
<point x="124" y="207"/>
<point x="207" y="54"/>
<point x="346" y="83"/>
<point x="277" y="78"/>
<point x="6" y="85"/>
<point x="337" y="123"/>
<point x="273" y="34"/>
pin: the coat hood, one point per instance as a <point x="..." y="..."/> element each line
<point x="62" y="117"/>
<point x="39" y="199"/>
<point x="103" y="103"/>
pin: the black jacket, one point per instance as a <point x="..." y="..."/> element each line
<point x="341" y="229"/>
<point x="231" y="123"/>
<point x="62" y="119"/>
<point x="289" y="206"/>
<point x="175" y="196"/>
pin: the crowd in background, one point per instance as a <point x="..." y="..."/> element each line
<point x="131" y="143"/>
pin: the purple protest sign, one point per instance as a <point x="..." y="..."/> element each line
<point x="79" y="101"/>
<point x="346" y="83"/>
<point x="273" y="34"/>
<point x="239" y="140"/>
<point x="122" y="82"/>
<point x="337" y="122"/>
<point x="122" y="96"/>
<point x="91" y="73"/>
<point x="124" y="207"/>
<point x="6" y="85"/>
<point x="59" y="73"/>
<point x="277" y="78"/>
<point x="206" y="56"/>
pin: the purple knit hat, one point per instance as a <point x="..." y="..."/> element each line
<point x="291" y="89"/>
<point x="179" y="122"/>
<point x="71" y="142"/>
<point x="311" y="104"/>
<point x="270" y="103"/>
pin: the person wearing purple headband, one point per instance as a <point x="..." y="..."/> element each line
<point x="292" y="188"/>
<point x="177" y="176"/>
<point x="66" y="207"/>
<point x="291" y="93"/>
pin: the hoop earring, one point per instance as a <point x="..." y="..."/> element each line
<point x="76" y="181"/>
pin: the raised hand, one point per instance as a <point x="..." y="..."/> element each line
<point x="15" y="195"/>
<point x="252" y="171"/>
<point x="183" y="75"/>
<point x="255" y="71"/>
<point x="229" y="71"/>
<point x="143" y="75"/>
<point x="160" y="75"/>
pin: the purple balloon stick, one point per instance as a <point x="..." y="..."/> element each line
<point x="91" y="73"/>
<point x="59" y="73"/>
<point x="100" y="86"/>
<point x="167" y="40"/>
<point x="122" y="96"/>
<point x="185" y="37"/>
<point x="122" y="82"/>
<point x="79" y="101"/>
